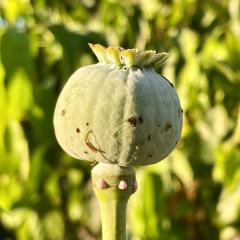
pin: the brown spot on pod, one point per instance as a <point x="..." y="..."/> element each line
<point x="149" y="137"/>
<point x="63" y="112"/>
<point x="167" y="126"/>
<point x="87" y="124"/>
<point x="140" y="119"/>
<point x="132" y="121"/>
<point x="77" y="130"/>
<point x="150" y="155"/>
<point x="86" y="152"/>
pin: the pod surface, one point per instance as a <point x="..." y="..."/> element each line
<point x="118" y="114"/>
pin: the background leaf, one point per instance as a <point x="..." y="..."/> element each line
<point x="194" y="193"/>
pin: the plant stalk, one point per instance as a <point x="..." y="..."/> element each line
<point x="112" y="199"/>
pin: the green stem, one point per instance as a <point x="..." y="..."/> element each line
<point x="112" y="200"/>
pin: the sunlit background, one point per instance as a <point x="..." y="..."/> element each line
<point x="194" y="194"/>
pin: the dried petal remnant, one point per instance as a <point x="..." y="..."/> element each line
<point x="90" y="145"/>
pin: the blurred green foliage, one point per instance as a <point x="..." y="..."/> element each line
<point x="195" y="193"/>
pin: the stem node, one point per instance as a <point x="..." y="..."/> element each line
<point x="121" y="183"/>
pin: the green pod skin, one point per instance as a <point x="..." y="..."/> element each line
<point x="111" y="113"/>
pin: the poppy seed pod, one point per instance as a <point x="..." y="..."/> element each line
<point x="119" y="110"/>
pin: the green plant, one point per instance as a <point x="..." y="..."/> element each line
<point x="185" y="197"/>
<point x="146" y="110"/>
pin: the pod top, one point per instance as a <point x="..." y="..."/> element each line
<point x="128" y="57"/>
